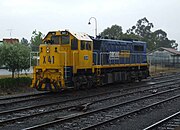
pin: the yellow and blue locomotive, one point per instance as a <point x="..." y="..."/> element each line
<point x="75" y="60"/>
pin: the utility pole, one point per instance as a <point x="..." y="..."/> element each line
<point x="10" y="31"/>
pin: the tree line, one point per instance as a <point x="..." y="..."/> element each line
<point x="16" y="57"/>
<point x="142" y="31"/>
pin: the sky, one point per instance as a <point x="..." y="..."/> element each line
<point x="19" y="18"/>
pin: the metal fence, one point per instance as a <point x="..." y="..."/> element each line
<point x="34" y="58"/>
<point x="164" y="60"/>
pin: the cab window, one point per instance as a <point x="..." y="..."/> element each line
<point x="85" y="45"/>
<point x="138" y="48"/>
<point x="88" y="46"/>
<point x="74" y="44"/>
<point x="82" y="45"/>
<point x="65" y="39"/>
<point x="55" y="40"/>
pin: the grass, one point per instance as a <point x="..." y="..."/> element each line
<point x="154" y="70"/>
<point x="20" y="75"/>
<point x="14" y="86"/>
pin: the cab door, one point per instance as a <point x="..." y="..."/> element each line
<point x="85" y="54"/>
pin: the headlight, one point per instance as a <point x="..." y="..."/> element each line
<point x="47" y="50"/>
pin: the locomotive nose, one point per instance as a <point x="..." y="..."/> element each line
<point x="47" y="84"/>
<point x="49" y="55"/>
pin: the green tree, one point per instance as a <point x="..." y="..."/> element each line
<point x="174" y="44"/>
<point x="24" y="41"/>
<point x="160" y="40"/>
<point x="36" y="40"/>
<point x="15" y="57"/>
<point x="155" y="39"/>
<point x="126" y="36"/>
<point x="1" y="59"/>
<point x="141" y="31"/>
<point x="142" y="28"/>
<point x="114" y="32"/>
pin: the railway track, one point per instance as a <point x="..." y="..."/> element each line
<point x="28" y="97"/>
<point x="95" y="118"/>
<point x="48" y="97"/>
<point x="134" y="90"/>
<point x="40" y="95"/>
<point x="23" y="96"/>
<point x="169" y="123"/>
<point x="22" y="114"/>
<point x="69" y="107"/>
<point x="161" y="76"/>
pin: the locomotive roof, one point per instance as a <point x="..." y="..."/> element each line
<point x="78" y="35"/>
<point x="122" y="41"/>
<point x="81" y="36"/>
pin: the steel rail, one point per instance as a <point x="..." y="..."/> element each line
<point x="25" y="100"/>
<point x="164" y="76"/>
<point x="44" y="93"/>
<point x="130" y="113"/>
<point x="47" y="124"/>
<point x="24" y="96"/>
<point x="155" y="125"/>
<point x="72" y="106"/>
<point x="69" y="100"/>
<point x="139" y="86"/>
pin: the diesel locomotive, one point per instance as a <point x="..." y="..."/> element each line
<point x="75" y="60"/>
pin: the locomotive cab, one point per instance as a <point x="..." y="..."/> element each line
<point x="62" y="54"/>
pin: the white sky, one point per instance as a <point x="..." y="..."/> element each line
<point x="24" y="16"/>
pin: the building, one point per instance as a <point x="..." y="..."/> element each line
<point x="10" y="40"/>
<point x="167" y="57"/>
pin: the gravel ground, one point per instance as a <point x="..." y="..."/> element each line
<point x="100" y="116"/>
<point x="48" y="108"/>
<point x="145" y="119"/>
<point x="113" y="112"/>
<point x="65" y="96"/>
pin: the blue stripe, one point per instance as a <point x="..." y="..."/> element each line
<point x="46" y="86"/>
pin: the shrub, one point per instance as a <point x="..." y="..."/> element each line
<point x="14" y="83"/>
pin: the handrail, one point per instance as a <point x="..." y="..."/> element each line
<point x="101" y="59"/>
<point x="73" y="60"/>
<point x="96" y="57"/>
<point x="65" y="62"/>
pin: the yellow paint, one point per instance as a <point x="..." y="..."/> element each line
<point x="58" y="84"/>
<point x="37" y="82"/>
<point x="54" y="57"/>
<point x="119" y="65"/>
<point x="43" y="86"/>
<point x="32" y="86"/>
<point x="124" y="53"/>
<point x="52" y="86"/>
<point x="85" y="59"/>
